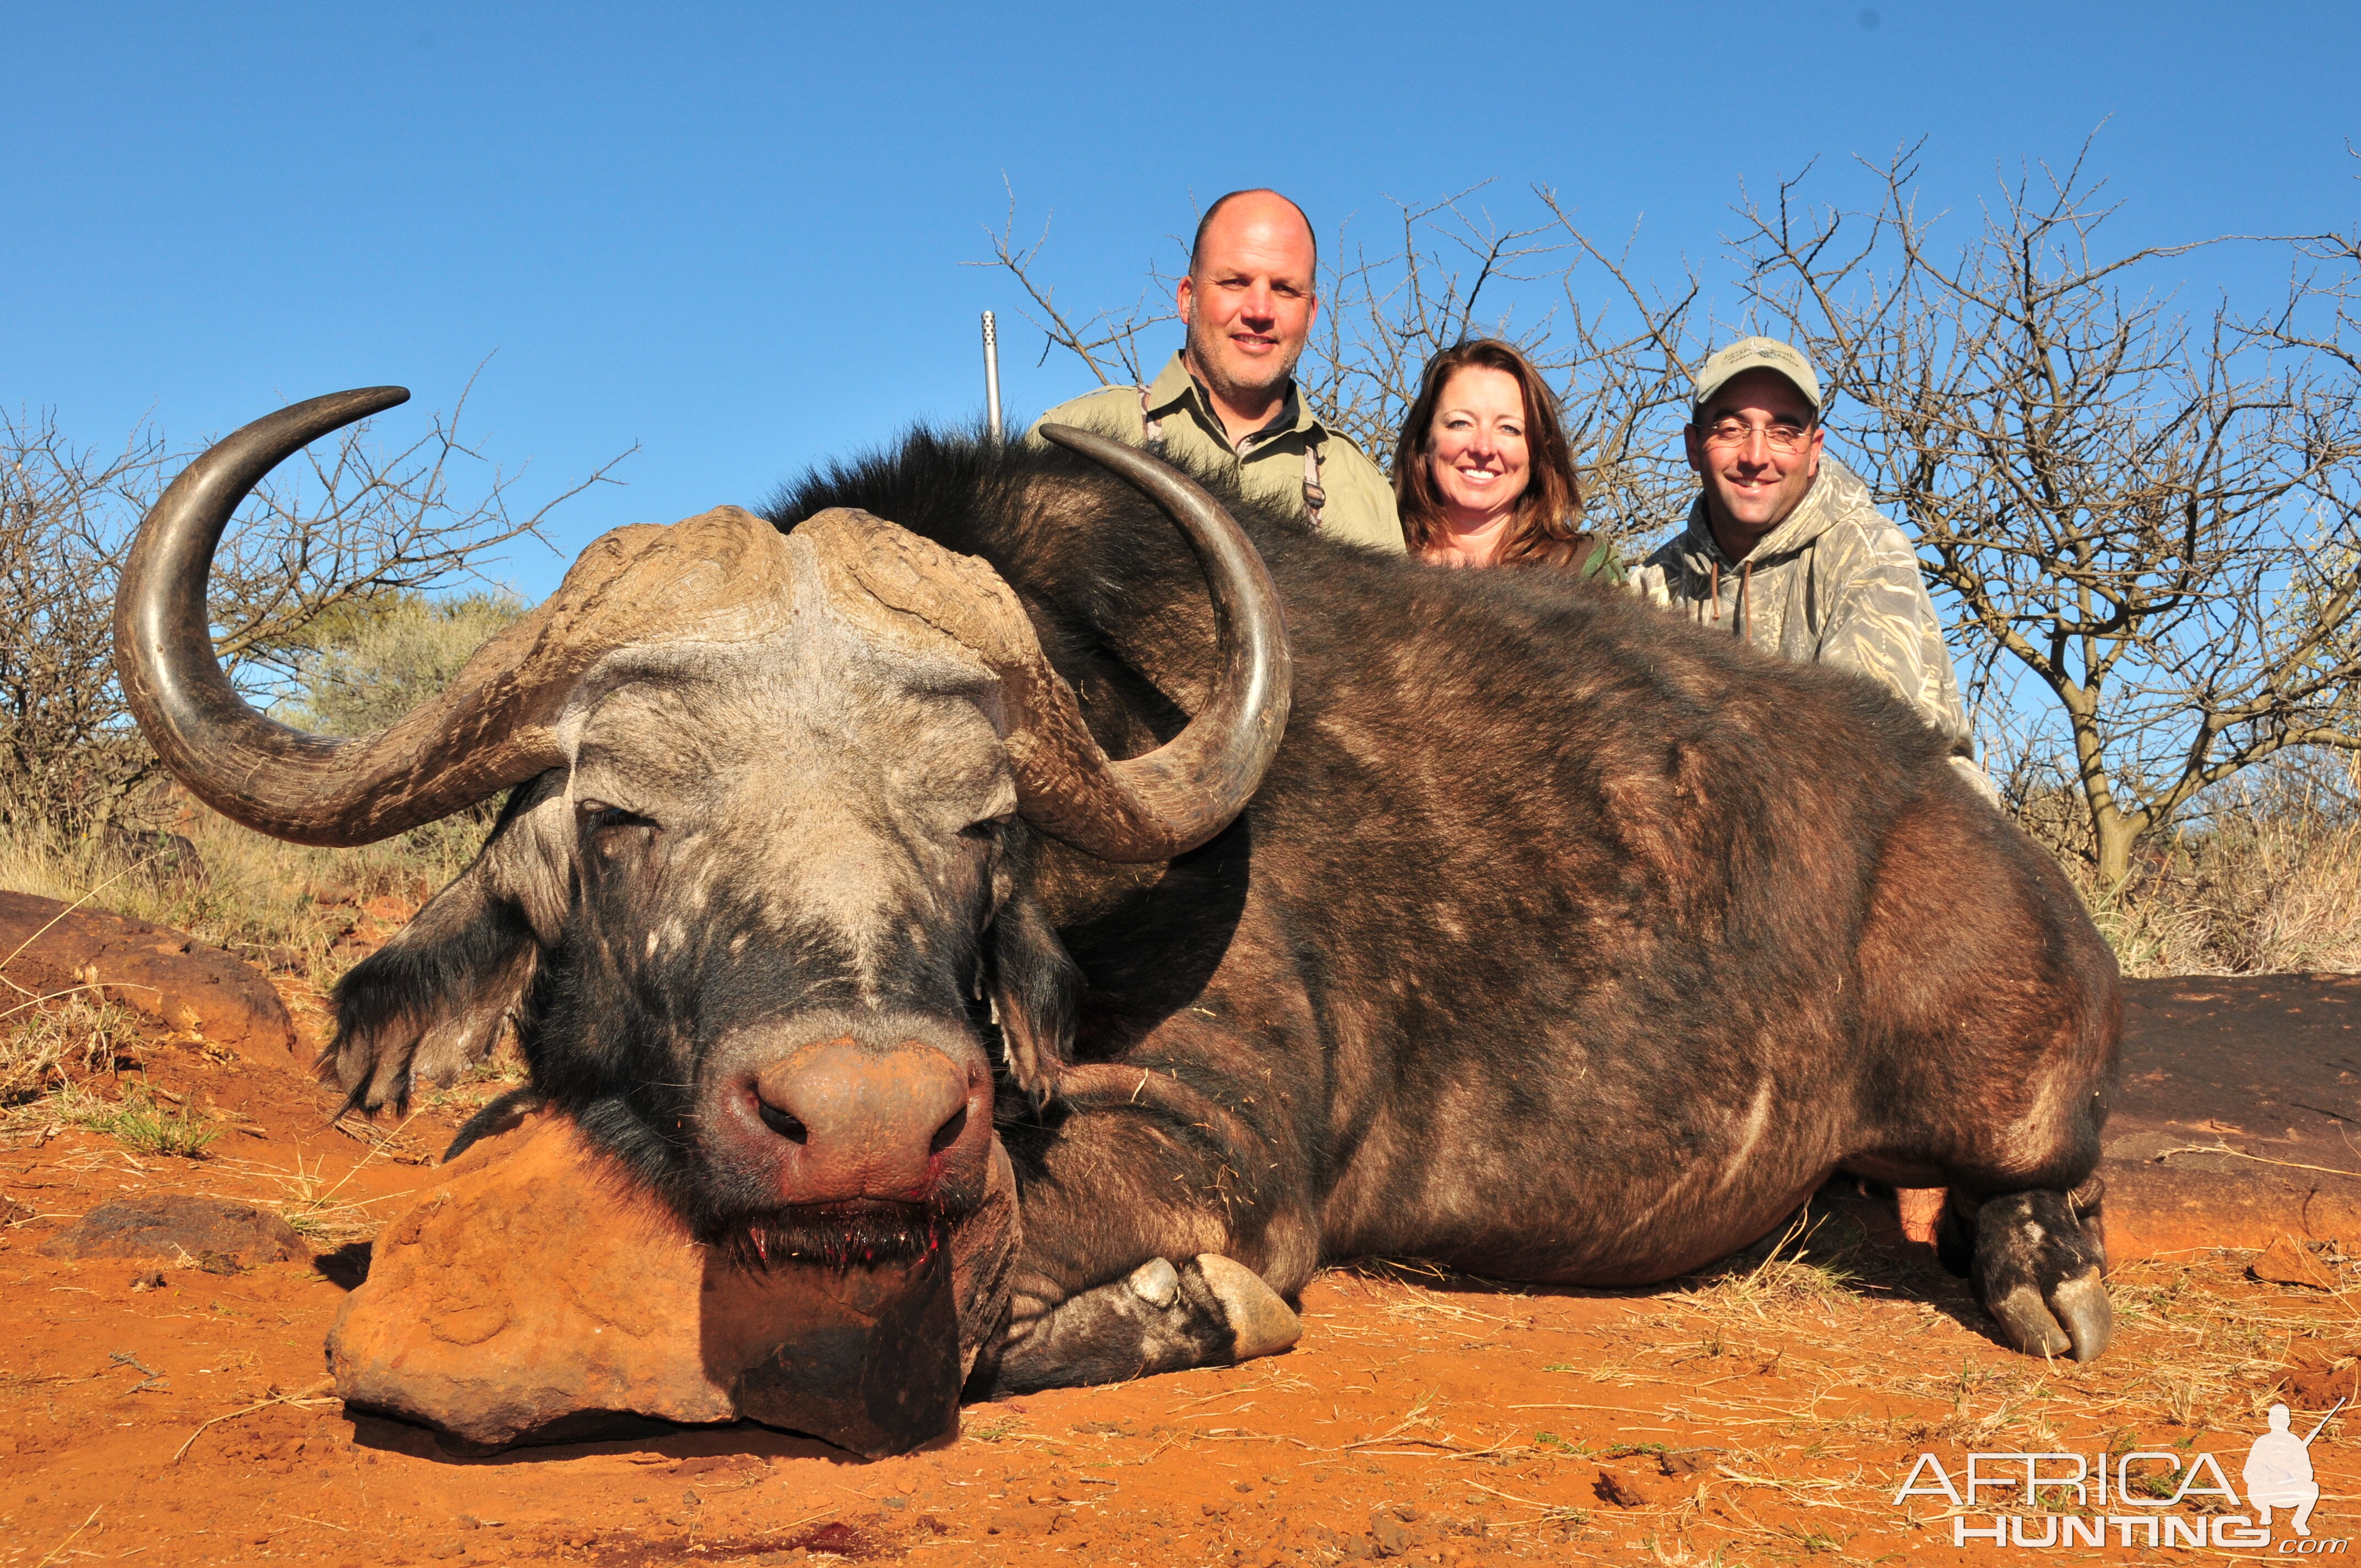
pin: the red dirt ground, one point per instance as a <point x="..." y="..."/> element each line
<point x="1766" y="1414"/>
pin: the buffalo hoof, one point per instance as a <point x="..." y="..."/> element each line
<point x="1261" y="1323"/>
<point x="2037" y="1271"/>
<point x="1209" y="1311"/>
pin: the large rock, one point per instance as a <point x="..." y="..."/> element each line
<point x="534" y="1295"/>
<point x="169" y="1225"/>
<point x="200" y="991"/>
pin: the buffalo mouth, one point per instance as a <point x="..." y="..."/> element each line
<point x="863" y="1233"/>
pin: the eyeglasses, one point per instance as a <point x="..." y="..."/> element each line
<point x="1785" y="439"/>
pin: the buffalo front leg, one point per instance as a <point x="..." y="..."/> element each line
<point x="1209" y="1311"/>
<point x="1145" y="1250"/>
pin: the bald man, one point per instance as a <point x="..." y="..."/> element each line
<point x="1228" y="402"/>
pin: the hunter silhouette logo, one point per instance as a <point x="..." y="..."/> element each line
<point x="2148" y="1497"/>
<point x="2279" y="1472"/>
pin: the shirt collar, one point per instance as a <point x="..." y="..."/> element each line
<point x="1174" y="384"/>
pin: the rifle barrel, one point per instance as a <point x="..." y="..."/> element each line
<point x="991" y="376"/>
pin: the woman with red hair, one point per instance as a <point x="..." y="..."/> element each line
<point x="1483" y="476"/>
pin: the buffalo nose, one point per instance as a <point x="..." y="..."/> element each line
<point x="869" y="1121"/>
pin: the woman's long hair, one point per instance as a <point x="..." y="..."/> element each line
<point x="1546" y="530"/>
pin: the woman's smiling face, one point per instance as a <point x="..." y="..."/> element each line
<point x="1476" y="448"/>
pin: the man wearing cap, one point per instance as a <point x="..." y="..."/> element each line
<point x="1783" y="549"/>
<point x="1227" y="401"/>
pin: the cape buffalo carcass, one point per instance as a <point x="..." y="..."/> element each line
<point x="1555" y="940"/>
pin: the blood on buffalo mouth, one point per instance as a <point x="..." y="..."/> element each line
<point x="856" y="1234"/>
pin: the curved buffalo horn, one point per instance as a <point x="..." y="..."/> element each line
<point x="252" y="769"/>
<point x="1178" y="796"/>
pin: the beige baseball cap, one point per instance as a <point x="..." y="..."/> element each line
<point x="1757" y="354"/>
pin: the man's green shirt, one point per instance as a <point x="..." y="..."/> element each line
<point x="1269" y="463"/>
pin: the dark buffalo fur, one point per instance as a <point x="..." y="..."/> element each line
<point x="1563" y="941"/>
<point x="1542" y="889"/>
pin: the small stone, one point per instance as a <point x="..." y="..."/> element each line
<point x="169" y="1225"/>
<point x="152" y="1279"/>
<point x="1622" y="1489"/>
<point x="2287" y="1262"/>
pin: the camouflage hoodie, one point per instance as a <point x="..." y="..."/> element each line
<point x="1835" y="584"/>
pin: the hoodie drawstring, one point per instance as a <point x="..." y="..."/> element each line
<point x="1713" y="594"/>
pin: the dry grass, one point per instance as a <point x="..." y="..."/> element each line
<point x="2268" y="883"/>
<point x="2269" y="895"/>
<point x="281" y="905"/>
<point x="47" y="1045"/>
<point x="70" y="1059"/>
<point x="1785" y="1390"/>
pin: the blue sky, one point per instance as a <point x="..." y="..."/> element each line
<point x="733" y="235"/>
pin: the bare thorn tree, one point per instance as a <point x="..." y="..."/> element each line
<point x="360" y="525"/>
<point x="2152" y="520"/>
<point x="67" y="753"/>
<point x="1384" y="316"/>
<point x="362" y="528"/>
<point x="1107" y="341"/>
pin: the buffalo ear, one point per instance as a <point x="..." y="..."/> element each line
<point x="429" y="1004"/>
<point x="1036" y="993"/>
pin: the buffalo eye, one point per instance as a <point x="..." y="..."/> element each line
<point x="602" y="823"/>
<point x="988" y="829"/>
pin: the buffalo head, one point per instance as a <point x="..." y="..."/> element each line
<point x="759" y="897"/>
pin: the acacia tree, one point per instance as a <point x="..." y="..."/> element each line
<point x="359" y="528"/>
<point x="65" y="750"/>
<point x="2150" y="521"/>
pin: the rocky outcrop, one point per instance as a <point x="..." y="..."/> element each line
<point x="199" y="991"/>
<point x="534" y="1295"/>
